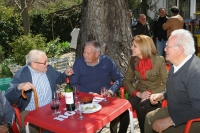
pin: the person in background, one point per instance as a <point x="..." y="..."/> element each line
<point x="160" y="35"/>
<point x="141" y="27"/>
<point x="6" y="114"/>
<point x="182" y="88"/>
<point x="150" y="74"/>
<point x="173" y="23"/>
<point x="39" y="74"/>
<point x="93" y="71"/>
<point x="132" y="21"/>
<point x="74" y="34"/>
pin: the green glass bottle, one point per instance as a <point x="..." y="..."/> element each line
<point x="69" y="97"/>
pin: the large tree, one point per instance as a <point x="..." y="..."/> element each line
<point x="107" y="21"/>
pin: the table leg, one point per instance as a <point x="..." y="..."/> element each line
<point x="131" y="121"/>
<point x="27" y="128"/>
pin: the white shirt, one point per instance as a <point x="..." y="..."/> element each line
<point x="43" y="89"/>
<point x="176" y="68"/>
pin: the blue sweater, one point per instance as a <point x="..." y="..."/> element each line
<point x="24" y="75"/>
<point x="92" y="78"/>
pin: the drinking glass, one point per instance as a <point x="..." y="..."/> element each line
<point x="104" y="93"/>
<point x="79" y="109"/>
<point x="55" y="106"/>
<point x="76" y="92"/>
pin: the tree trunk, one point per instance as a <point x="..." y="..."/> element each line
<point x="25" y="17"/>
<point x="108" y="22"/>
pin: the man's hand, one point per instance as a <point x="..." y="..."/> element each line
<point x="162" y="124"/>
<point x="69" y="71"/>
<point x="3" y="129"/>
<point x="25" y="86"/>
<point x="154" y="98"/>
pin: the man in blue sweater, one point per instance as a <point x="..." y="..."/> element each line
<point x="39" y="74"/>
<point x="182" y="88"/>
<point x="94" y="71"/>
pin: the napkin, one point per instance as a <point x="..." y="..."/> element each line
<point x="97" y="99"/>
<point x="58" y="118"/>
<point x="69" y="113"/>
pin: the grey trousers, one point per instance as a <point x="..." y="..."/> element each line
<point x="160" y="113"/>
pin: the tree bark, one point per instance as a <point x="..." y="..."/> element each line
<point x="25" y="17"/>
<point x="108" y="22"/>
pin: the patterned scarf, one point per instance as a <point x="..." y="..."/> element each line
<point x="143" y="66"/>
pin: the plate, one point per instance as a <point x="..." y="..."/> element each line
<point x="91" y="108"/>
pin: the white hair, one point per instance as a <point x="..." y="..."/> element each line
<point x="33" y="55"/>
<point x="184" y="38"/>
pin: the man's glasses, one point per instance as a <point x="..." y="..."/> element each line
<point x="41" y="62"/>
<point x="167" y="47"/>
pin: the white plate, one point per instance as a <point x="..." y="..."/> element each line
<point x="92" y="107"/>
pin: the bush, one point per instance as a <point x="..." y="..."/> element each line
<point x="10" y="25"/>
<point x="24" y="44"/>
<point x="55" y="48"/>
<point x="4" y="69"/>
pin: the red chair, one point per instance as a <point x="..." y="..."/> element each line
<point x="15" y="127"/>
<point x="188" y="124"/>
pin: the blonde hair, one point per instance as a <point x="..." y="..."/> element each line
<point x="146" y="45"/>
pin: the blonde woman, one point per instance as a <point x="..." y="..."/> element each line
<point x="148" y="72"/>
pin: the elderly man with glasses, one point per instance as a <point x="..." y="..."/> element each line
<point x="37" y="73"/>
<point x="182" y="88"/>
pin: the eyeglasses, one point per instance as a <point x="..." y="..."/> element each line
<point x="167" y="47"/>
<point x="42" y="63"/>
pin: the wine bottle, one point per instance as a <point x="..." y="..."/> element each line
<point x="69" y="97"/>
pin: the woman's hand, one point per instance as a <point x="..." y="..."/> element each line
<point x="69" y="71"/>
<point x="144" y="95"/>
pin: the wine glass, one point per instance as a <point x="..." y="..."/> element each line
<point x="58" y="96"/>
<point x="104" y="93"/>
<point x="76" y="92"/>
<point x="55" y="106"/>
<point x="79" y="109"/>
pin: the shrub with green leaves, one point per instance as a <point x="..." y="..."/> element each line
<point x="22" y="45"/>
<point x="55" y="48"/>
<point x="4" y="69"/>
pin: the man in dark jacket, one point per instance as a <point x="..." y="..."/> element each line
<point x="6" y="114"/>
<point x="160" y="35"/>
<point x="142" y="27"/>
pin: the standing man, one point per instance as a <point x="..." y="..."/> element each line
<point x="6" y="114"/>
<point x="182" y="88"/>
<point x="160" y="35"/>
<point x="175" y="22"/>
<point x="142" y="27"/>
<point x="94" y="71"/>
<point x="39" y="74"/>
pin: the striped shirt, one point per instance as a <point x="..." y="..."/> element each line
<point x="43" y="89"/>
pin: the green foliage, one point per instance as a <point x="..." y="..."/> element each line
<point x="4" y="69"/>
<point x="10" y="27"/>
<point x="56" y="24"/>
<point x="55" y="48"/>
<point x="24" y="44"/>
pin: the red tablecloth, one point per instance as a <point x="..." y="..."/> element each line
<point x="42" y="117"/>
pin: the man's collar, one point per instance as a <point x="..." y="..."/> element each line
<point x="94" y="64"/>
